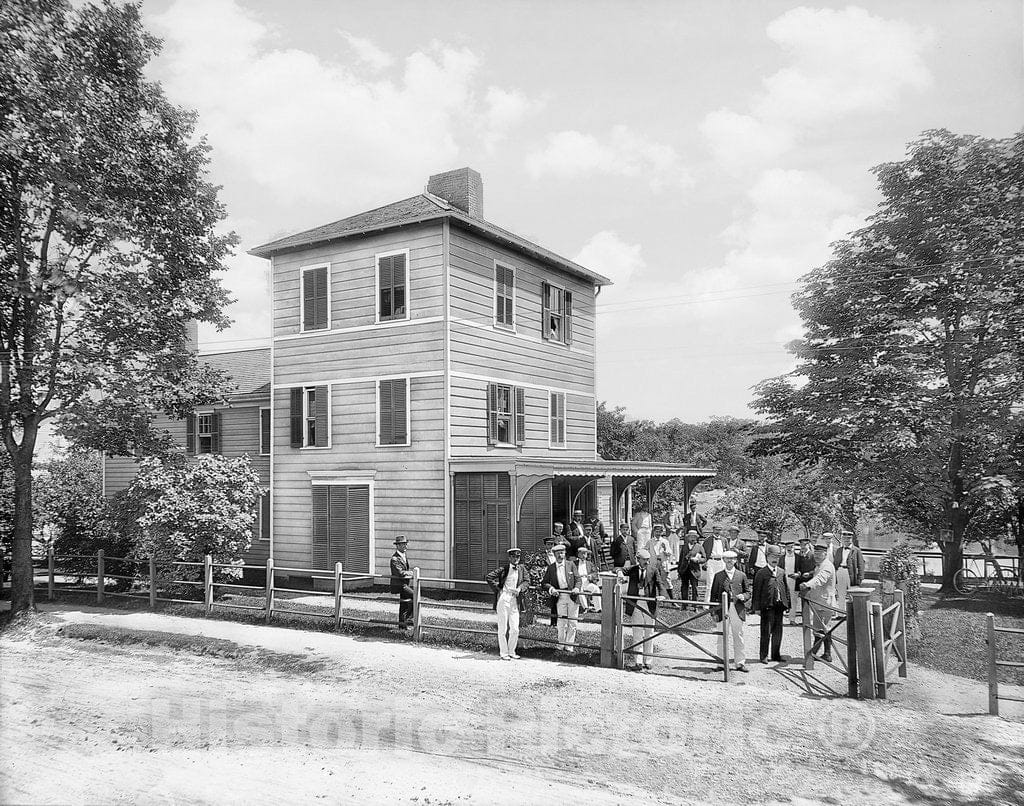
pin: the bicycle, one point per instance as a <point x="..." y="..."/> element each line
<point x="967" y="582"/>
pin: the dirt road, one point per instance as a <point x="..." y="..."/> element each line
<point x="298" y="717"/>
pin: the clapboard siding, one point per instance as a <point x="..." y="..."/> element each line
<point x="469" y="424"/>
<point x="388" y="350"/>
<point x="353" y="274"/>
<point x="409" y="483"/>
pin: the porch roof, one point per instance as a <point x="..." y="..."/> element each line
<point x="579" y="468"/>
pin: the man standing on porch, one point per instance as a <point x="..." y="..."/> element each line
<point x="563" y="587"/>
<point x="509" y="583"/>
<point x="733" y="582"/>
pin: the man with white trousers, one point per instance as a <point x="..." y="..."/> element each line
<point x="563" y="585"/>
<point x="510" y="584"/>
<point x="714" y="548"/>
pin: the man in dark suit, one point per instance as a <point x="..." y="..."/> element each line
<point x="803" y="566"/>
<point x="644" y="581"/>
<point x="509" y="583"/>
<point x="401" y="577"/>
<point x="735" y="584"/>
<point x="771" y="600"/>
<point x="691" y="558"/>
<point x="563" y="586"/>
<point x="622" y="549"/>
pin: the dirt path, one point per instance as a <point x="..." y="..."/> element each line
<point x="303" y="716"/>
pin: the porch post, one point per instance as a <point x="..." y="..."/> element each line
<point x="609" y="584"/>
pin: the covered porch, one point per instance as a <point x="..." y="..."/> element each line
<point x="500" y="503"/>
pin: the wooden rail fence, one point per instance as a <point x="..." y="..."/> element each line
<point x="994" y="664"/>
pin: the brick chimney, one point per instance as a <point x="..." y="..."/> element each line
<point x="462" y="188"/>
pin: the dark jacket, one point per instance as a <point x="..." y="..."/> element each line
<point x="399" y="569"/>
<point x="573" y="543"/>
<point x="763" y="589"/>
<point x="803" y="568"/>
<point x="572" y="579"/>
<point x="690" y="559"/>
<point x="740" y="586"/>
<point x="496" y="581"/>
<point x="855" y="564"/>
<point x="652" y="587"/>
<point x="622" y="552"/>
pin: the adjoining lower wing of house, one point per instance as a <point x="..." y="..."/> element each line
<point x="432" y="375"/>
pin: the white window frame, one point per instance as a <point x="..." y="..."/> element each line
<point x="511" y="416"/>
<point x="408" y="411"/>
<point x="561" y="331"/>
<point x="552" y="444"/>
<point x="305" y="417"/>
<point x="302" y="297"/>
<point x="494" y="301"/>
<point x="271" y="437"/>
<point x="200" y="414"/>
<point x="376" y="287"/>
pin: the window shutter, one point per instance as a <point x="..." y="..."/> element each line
<point x="321" y="533"/>
<point x="357" y="538"/>
<point x="385" y="281"/>
<point x="561" y="418"/>
<point x="520" y="412"/>
<point x="567" y="321"/>
<point x="190" y="434"/>
<point x="323" y="423"/>
<point x="320" y="303"/>
<point x="265" y="516"/>
<point x="399" y="409"/>
<point x="398" y="282"/>
<point x="338" y="525"/>
<point x="215" y="432"/>
<point x="264" y="431"/>
<point x="295" y="417"/>
<point x="545" y="311"/>
<point x="492" y="413"/>
<point x="308" y="301"/>
<point x="386" y="413"/>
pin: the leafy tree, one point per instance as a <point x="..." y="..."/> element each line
<point x="910" y="371"/>
<point x="108" y="241"/>
<point x="620" y="438"/>
<point x="185" y="510"/>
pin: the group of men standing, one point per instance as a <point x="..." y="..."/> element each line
<point x="766" y="576"/>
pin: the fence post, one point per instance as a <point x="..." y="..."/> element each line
<point x="609" y="584"/>
<point x="993" y="670"/>
<point x="620" y="620"/>
<point x="807" y="623"/>
<point x="865" y="651"/>
<point x="851" y="652"/>
<point x="270" y="590"/>
<point x="726" y="624"/>
<point x="339" y="590"/>
<point x="416" y="603"/>
<point x="152" y="583"/>
<point x="901" y="637"/>
<point x="878" y="645"/>
<point x="208" y="582"/>
<point x="49" y="571"/>
<point x="100" y="582"/>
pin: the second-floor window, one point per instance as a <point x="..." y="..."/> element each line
<point x="392" y="287"/>
<point x="556" y="313"/>
<point x="310" y="417"/>
<point x="557" y="419"/>
<point x="393" y="411"/>
<point x="506" y="414"/>
<point x="202" y="433"/>
<point x="504" y="295"/>
<point x="315" y="297"/>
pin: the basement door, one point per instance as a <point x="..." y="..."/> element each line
<point x="482" y="523"/>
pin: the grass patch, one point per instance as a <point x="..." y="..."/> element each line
<point x="954" y="635"/>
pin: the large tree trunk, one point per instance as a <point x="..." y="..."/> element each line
<point x="953" y="551"/>
<point x="22" y="577"/>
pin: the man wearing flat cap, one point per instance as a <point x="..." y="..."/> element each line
<point x="644" y="582"/>
<point x="820" y="591"/>
<point x="563" y="586"/>
<point x="771" y="600"/>
<point x="401" y="577"/>
<point x="589" y="573"/>
<point x="736" y="586"/>
<point x="510" y="584"/>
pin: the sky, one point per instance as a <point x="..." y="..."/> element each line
<point x="703" y="155"/>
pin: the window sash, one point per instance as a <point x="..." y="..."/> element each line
<point x="391" y="287"/>
<point x="504" y="295"/>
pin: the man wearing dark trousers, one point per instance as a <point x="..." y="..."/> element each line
<point x="401" y="578"/>
<point x="771" y="600"/>
<point x="691" y="558"/>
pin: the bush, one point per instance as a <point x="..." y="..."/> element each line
<point x="901" y="564"/>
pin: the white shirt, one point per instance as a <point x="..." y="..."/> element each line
<point x="512" y="580"/>
<point x="563" y="582"/>
<point x="846" y="555"/>
<point x="717" y="549"/>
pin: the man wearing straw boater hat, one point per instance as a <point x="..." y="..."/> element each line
<point x="563" y="586"/>
<point x="644" y="582"/>
<point x="771" y="600"/>
<point x="509" y="583"/>
<point x="401" y="576"/>
<point x="734" y="583"/>
<point x="849" y="563"/>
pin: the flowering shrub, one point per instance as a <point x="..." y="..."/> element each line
<point x="901" y="565"/>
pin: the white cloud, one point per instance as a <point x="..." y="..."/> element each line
<point x="623" y="152"/>
<point x="839" y="63"/>
<point x="367" y="52"/>
<point x="607" y="254"/>
<point x="317" y="130"/>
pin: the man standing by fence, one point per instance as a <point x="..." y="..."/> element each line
<point x="643" y="581"/>
<point x="820" y="591"/>
<point x="510" y="584"/>
<point x="401" y="576"/>
<point x="771" y="600"/>
<point x="735" y="584"/>
<point x="849" y="563"/>
<point x="691" y="557"/>
<point x="563" y="586"/>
